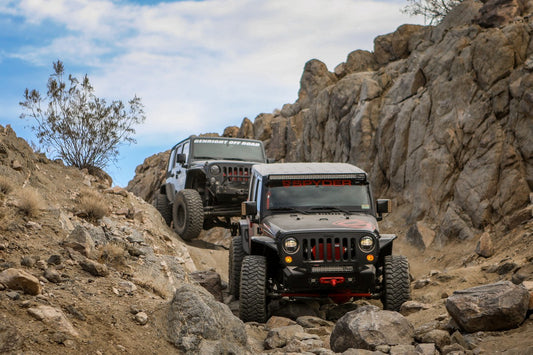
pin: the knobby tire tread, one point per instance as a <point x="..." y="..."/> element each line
<point x="163" y="207"/>
<point x="253" y="300"/>
<point x="396" y="285"/>
<point x="236" y="254"/>
<point x="194" y="213"/>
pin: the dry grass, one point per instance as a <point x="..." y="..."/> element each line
<point x="113" y="254"/>
<point x="92" y="205"/>
<point x="5" y="185"/>
<point x="30" y="201"/>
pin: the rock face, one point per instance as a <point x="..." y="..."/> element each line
<point x="498" y="306"/>
<point x="369" y="327"/>
<point x="149" y="175"/>
<point x="199" y="324"/>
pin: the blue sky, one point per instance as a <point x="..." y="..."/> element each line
<point x="198" y="66"/>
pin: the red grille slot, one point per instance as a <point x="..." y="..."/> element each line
<point x="233" y="173"/>
<point x="329" y="249"/>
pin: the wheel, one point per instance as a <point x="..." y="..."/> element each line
<point x="395" y="290"/>
<point x="188" y="214"/>
<point x="253" y="304"/>
<point x="236" y="254"/>
<point x="163" y="207"/>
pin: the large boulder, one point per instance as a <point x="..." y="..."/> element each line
<point x="149" y="176"/>
<point x="315" y="78"/>
<point x="197" y="323"/>
<point x="369" y="327"/>
<point x="497" y="306"/>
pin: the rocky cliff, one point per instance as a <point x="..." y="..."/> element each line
<point x="440" y="117"/>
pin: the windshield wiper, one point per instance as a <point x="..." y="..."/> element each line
<point x="288" y="209"/>
<point x="204" y="157"/>
<point x="329" y="208"/>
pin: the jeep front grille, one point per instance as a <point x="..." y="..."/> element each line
<point x="329" y="249"/>
<point x="236" y="173"/>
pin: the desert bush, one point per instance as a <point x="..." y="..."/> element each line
<point x="5" y="185"/>
<point x="113" y="254"/>
<point x="81" y="128"/>
<point x="30" y="201"/>
<point x="92" y="205"/>
<point x="432" y="10"/>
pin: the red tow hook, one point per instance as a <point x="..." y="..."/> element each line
<point x="333" y="281"/>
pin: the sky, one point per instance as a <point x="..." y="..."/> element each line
<point x="198" y="66"/>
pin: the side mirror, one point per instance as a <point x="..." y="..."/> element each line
<point x="181" y="158"/>
<point x="383" y="206"/>
<point x="249" y="208"/>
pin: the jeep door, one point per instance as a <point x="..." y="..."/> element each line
<point x="177" y="172"/>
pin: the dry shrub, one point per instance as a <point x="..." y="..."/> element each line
<point x="113" y="253"/>
<point x="5" y="185"/>
<point x="92" y="205"/>
<point x="30" y="201"/>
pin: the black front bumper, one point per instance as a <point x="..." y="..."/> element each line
<point x="325" y="279"/>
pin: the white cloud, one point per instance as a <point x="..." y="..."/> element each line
<point x="200" y="66"/>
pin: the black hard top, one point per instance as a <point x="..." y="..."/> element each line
<point x="307" y="169"/>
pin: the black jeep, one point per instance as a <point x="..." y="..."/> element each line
<point x="207" y="179"/>
<point x="310" y="230"/>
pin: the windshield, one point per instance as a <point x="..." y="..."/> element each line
<point x="343" y="195"/>
<point x="227" y="149"/>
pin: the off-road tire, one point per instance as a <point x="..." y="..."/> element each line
<point x="395" y="288"/>
<point x="253" y="298"/>
<point x="188" y="214"/>
<point x="236" y="254"/>
<point x="163" y="207"/>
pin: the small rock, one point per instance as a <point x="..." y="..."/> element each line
<point x="40" y="264"/>
<point x="141" y="318"/>
<point x="383" y="348"/>
<point x="410" y="307"/>
<point x="485" y="247"/>
<point x="16" y="165"/>
<point x="54" y="259"/>
<point x="452" y="348"/>
<point x="313" y="322"/>
<point x="52" y="275"/>
<point x="17" y="279"/>
<point x="439" y="337"/>
<point x="27" y="261"/>
<point x="277" y="322"/>
<point x="13" y="295"/>
<point x="127" y="287"/>
<point x="418" y="284"/>
<point x="278" y="337"/>
<point x="54" y="318"/>
<point x="402" y="349"/>
<point x="34" y="225"/>
<point x="426" y="349"/>
<point x="458" y="338"/>
<point x="93" y="267"/>
<point x="81" y="241"/>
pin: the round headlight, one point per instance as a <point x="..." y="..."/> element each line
<point x="290" y="245"/>
<point x="214" y="169"/>
<point x="367" y="244"/>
